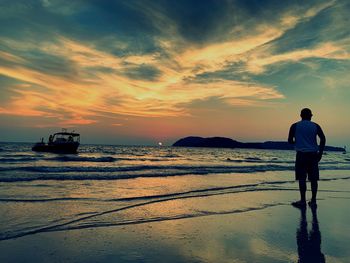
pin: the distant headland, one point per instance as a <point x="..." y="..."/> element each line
<point x="222" y="142"/>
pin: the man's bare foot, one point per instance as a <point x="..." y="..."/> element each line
<point x="312" y="204"/>
<point x="299" y="204"/>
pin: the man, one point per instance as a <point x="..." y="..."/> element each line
<point x="303" y="135"/>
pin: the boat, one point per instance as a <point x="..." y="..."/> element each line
<point x="60" y="142"/>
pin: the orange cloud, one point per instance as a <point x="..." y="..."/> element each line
<point x="258" y="61"/>
<point x="90" y="92"/>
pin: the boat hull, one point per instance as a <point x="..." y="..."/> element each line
<point x="56" y="148"/>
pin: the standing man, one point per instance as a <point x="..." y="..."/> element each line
<point x="303" y="135"/>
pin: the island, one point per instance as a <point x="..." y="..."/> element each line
<point x="222" y="142"/>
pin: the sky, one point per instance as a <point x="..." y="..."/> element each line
<point x="142" y="72"/>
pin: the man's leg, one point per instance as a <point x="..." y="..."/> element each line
<point x="314" y="187"/>
<point x="313" y="177"/>
<point x="300" y="175"/>
<point x="302" y="189"/>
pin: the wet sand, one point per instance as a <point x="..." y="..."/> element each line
<point x="257" y="226"/>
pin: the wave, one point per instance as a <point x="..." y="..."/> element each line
<point x="148" y="159"/>
<point x="117" y="173"/>
<point x="276" y="161"/>
<point x="19" y="200"/>
<point x="71" y="158"/>
<point x="83" y="220"/>
<point x="238" y="188"/>
<point x="128" y="173"/>
<point x="67" y="158"/>
<point x="171" y="155"/>
<point x="64" y="169"/>
<point x="253" y="159"/>
<point x="69" y="225"/>
<point x="261" y="186"/>
<point x="22" y="155"/>
<point x="258" y="160"/>
<point x="84" y="223"/>
<point x="18" y="160"/>
<point x="109" y="152"/>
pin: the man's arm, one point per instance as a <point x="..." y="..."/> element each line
<point x="322" y="142"/>
<point x="291" y="134"/>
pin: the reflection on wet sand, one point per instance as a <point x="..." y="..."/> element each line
<point x="309" y="243"/>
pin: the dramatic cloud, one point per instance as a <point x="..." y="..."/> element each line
<point x="97" y="62"/>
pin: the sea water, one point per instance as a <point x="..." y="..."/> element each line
<point x="106" y="185"/>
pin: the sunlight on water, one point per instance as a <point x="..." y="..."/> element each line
<point x="118" y="185"/>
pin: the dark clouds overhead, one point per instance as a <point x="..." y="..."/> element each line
<point x="157" y="59"/>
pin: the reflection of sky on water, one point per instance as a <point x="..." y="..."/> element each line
<point x="267" y="235"/>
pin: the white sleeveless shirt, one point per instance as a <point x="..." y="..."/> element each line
<point x="306" y="136"/>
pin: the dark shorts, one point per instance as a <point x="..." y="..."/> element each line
<point x="306" y="166"/>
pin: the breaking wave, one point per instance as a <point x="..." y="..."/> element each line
<point x="72" y="158"/>
<point x="31" y="173"/>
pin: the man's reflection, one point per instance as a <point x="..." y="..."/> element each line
<point x="309" y="244"/>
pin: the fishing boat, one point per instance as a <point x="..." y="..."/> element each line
<point x="60" y="142"/>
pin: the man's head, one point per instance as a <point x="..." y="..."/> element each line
<point x="306" y="114"/>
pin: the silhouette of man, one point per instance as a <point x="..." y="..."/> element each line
<point x="309" y="243"/>
<point x="303" y="135"/>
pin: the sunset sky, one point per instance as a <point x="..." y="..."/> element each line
<point x="140" y="72"/>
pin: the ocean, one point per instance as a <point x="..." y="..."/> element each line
<point x="106" y="185"/>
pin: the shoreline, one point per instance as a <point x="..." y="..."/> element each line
<point x="259" y="226"/>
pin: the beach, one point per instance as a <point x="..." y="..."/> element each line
<point x="173" y="131"/>
<point x="175" y="205"/>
